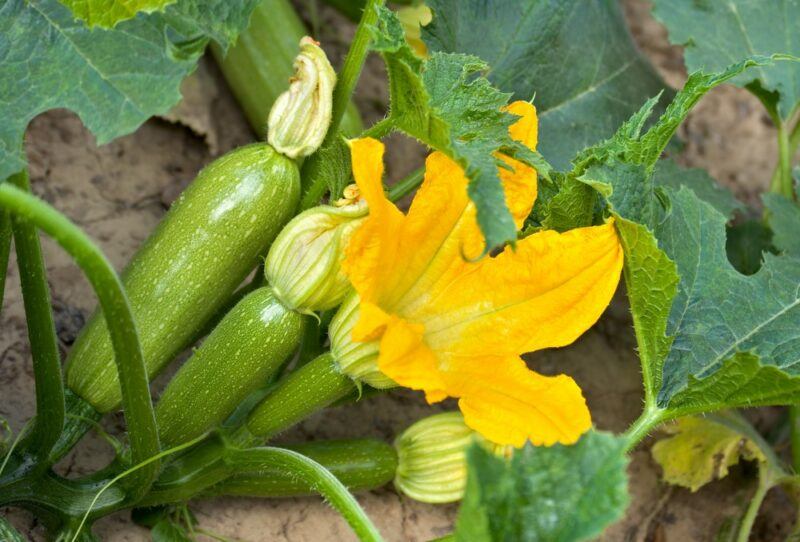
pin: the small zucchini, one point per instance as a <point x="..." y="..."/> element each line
<point x="247" y="347"/>
<point x="205" y="246"/>
<point x="360" y="464"/>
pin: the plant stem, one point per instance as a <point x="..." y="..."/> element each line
<point x="353" y="63"/>
<point x="650" y="418"/>
<point x="317" y="477"/>
<point x="380" y="129"/>
<point x="50" y="410"/>
<point x="782" y="184"/>
<point x="136" y="402"/>
<point x="342" y="92"/>
<point x="764" y="485"/>
<point x="5" y="249"/>
<point x="406" y="185"/>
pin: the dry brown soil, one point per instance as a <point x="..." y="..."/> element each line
<point x="119" y="191"/>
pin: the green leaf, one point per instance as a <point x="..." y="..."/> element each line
<point x="721" y="319"/>
<point x="651" y="280"/>
<point x="716" y="33"/>
<point x="701" y="450"/>
<point x="107" y="13"/>
<point x="572" y="206"/>
<point x="446" y="103"/>
<point x="9" y="533"/>
<point x="558" y="494"/>
<point x="741" y="381"/>
<point x="167" y="531"/>
<point x="577" y="58"/>
<point x="783" y="217"/>
<point x="669" y="173"/>
<point x="746" y="245"/>
<point x="113" y="79"/>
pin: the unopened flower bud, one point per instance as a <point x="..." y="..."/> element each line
<point x="431" y="454"/>
<point x="300" y="117"/>
<point x="304" y="264"/>
<point x="358" y="360"/>
<point x="432" y="462"/>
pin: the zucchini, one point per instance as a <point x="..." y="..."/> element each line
<point x="247" y="347"/>
<point x="205" y="246"/>
<point x="258" y="66"/>
<point x="360" y="464"/>
<point x="312" y="387"/>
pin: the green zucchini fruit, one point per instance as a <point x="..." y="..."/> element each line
<point x="312" y="387"/>
<point x="247" y="347"/>
<point x="360" y="464"/>
<point x="259" y="65"/>
<point x="205" y="246"/>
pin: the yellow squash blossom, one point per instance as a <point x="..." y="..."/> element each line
<point x="456" y="327"/>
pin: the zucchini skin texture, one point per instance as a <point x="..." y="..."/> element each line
<point x="206" y="245"/>
<point x="360" y="464"/>
<point x="247" y="347"/>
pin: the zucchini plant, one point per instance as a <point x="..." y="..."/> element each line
<point x="543" y="189"/>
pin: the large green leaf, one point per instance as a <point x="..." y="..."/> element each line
<point x="716" y="33"/>
<point x="686" y="336"/>
<point x="735" y="328"/>
<point x="558" y="494"/>
<point x="113" y="79"/>
<point x="783" y="217"/>
<point x="669" y="173"/>
<point x="577" y="58"/>
<point x="107" y="13"/>
<point x="445" y="102"/>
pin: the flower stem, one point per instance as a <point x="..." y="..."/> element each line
<point x="317" y="476"/>
<point x="136" y="402"/>
<point x="50" y="410"/>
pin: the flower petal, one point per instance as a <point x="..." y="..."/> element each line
<point x="519" y="183"/>
<point x="406" y="359"/>
<point x="371" y="257"/>
<point x="508" y="404"/>
<point x="543" y="295"/>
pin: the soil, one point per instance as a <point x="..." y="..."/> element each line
<point x="118" y="192"/>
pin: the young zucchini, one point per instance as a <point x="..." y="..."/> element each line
<point x="241" y="353"/>
<point x="208" y="242"/>
<point x="360" y="464"/>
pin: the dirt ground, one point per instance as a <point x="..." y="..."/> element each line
<point x="119" y="191"/>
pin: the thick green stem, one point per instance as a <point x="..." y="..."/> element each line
<point x="136" y="401"/>
<point x="5" y="249"/>
<point x="317" y="476"/>
<point x="345" y="84"/>
<point x="310" y="388"/>
<point x="650" y="418"/>
<point x="49" y="421"/>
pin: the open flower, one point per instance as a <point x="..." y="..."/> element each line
<point x="455" y="327"/>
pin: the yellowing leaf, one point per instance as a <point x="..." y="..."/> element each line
<point x="107" y="13"/>
<point x="701" y="450"/>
